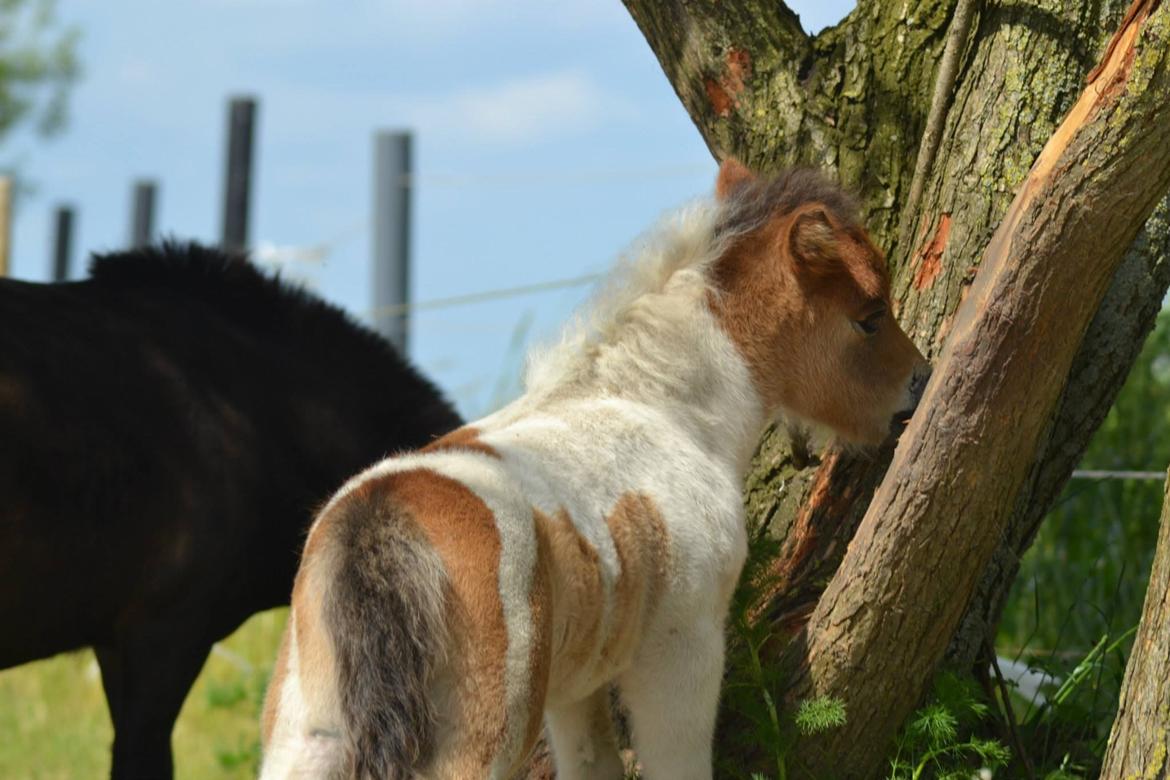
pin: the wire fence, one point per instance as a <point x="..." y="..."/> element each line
<point x="1159" y="476"/>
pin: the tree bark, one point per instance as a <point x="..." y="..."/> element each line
<point x="858" y="106"/>
<point x="1141" y="734"/>
<point x="884" y="622"/>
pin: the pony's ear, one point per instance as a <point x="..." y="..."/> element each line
<point x="812" y="240"/>
<point x="732" y="175"/>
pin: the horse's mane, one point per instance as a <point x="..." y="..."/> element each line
<point x="230" y="284"/>
<point x="673" y="260"/>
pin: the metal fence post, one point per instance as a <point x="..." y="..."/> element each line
<point x="391" y="234"/>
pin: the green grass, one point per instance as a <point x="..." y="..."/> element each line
<point x="54" y="721"/>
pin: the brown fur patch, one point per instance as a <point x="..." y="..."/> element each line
<point x="732" y="175"/>
<point x="275" y="685"/>
<point x="577" y="594"/>
<point x="316" y="662"/>
<point x="540" y="655"/>
<point x="465" y="438"/>
<point x="639" y="535"/>
<point x="462" y="530"/>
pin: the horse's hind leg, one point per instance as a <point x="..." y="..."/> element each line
<point x="146" y="676"/>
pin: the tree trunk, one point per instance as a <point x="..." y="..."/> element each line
<point x="1141" y="734"/>
<point x="854" y="99"/>
<point x="886" y="618"/>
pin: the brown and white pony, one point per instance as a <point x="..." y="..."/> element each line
<point x="451" y="601"/>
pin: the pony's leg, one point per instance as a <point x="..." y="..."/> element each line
<point x="146" y="678"/>
<point x="672" y="693"/>
<point x="583" y="742"/>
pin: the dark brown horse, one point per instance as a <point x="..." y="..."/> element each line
<point x="167" y="428"/>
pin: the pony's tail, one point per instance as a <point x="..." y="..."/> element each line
<point x="385" y="614"/>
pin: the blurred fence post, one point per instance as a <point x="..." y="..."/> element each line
<point x="142" y="213"/>
<point x="5" y="225"/>
<point x="238" y="177"/>
<point x="391" y="234"/>
<point x="62" y="242"/>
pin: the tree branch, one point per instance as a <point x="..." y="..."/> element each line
<point x="1111" y="345"/>
<point x="883" y="624"/>
<point x="944" y="85"/>
<point x="726" y="65"/>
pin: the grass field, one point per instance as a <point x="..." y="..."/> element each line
<point x="54" y="724"/>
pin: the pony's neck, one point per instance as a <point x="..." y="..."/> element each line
<point x="672" y="356"/>
<point x="651" y="337"/>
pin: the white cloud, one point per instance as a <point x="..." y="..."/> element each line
<point x="522" y="109"/>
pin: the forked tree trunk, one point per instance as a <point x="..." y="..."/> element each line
<point x="854" y="98"/>
<point x="1140" y="739"/>
<point x="884" y="622"/>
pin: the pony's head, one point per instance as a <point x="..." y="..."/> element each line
<point x="805" y="296"/>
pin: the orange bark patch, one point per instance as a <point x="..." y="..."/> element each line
<point x="803" y="536"/>
<point x="721" y="102"/>
<point x="930" y="257"/>
<point x="739" y="70"/>
<point x="723" y="93"/>
<point x="465" y="438"/>
<point x="640" y="538"/>
<point x="462" y="530"/>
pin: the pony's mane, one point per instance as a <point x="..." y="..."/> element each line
<point x="232" y="285"/>
<point x="674" y="258"/>
<point x="682" y="242"/>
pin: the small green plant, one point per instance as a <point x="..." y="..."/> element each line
<point x="816" y="715"/>
<point x="942" y="741"/>
<point x="766" y="730"/>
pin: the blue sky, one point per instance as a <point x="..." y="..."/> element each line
<point x="547" y="139"/>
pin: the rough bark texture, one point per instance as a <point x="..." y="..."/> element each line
<point x="884" y="622"/>
<point x="854" y="99"/>
<point x="1109" y="349"/>
<point x="1141" y="733"/>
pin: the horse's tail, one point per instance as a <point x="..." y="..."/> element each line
<point x="385" y="614"/>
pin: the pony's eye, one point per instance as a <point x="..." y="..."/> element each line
<point x="870" y="324"/>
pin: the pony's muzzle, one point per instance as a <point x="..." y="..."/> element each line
<point x="914" y="393"/>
